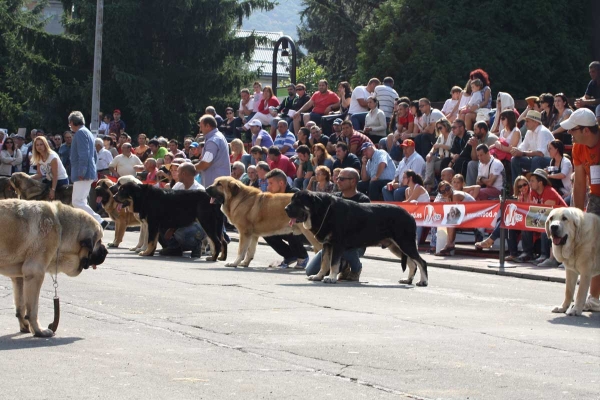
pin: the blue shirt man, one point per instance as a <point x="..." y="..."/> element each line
<point x="215" y="157"/>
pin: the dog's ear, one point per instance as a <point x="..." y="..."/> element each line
<point x="234" y="188"/>
<point x="547" y="225"/>
<point x="87" y="244"/>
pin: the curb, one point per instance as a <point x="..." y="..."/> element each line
<point x="490" y="271"/>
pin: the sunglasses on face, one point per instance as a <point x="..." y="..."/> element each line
<point x="445" y="189"/>
<point x="522" y="185"/>
<point x="341" y="178"/>
<point x="9" y="142"/>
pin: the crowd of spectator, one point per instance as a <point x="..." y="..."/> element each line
<point x="402" y="150"/>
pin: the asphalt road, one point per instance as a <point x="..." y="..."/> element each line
<point x="173" y="328"/>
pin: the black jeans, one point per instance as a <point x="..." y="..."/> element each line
<point x="373" y="188"/>
<point x="293" y="249"/>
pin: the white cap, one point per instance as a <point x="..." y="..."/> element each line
<point x="255" y="122"/>
<point x="581" y="117"/>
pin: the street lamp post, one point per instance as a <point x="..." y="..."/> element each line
<point x="284" y="42"/>
<point x="94" y="124"/>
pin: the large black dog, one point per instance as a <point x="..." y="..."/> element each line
<point x="165" y="209"/>
<point x="342" y="224"/>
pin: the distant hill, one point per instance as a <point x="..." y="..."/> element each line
<point x="283" y="18"/>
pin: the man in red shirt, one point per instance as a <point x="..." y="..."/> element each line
<point x="322" y="103"/>
<point x="583" y="127"/>
<point x="278" y="160"/>
<point x="542" y="192"/>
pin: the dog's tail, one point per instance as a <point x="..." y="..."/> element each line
<point x="404" y="261"/>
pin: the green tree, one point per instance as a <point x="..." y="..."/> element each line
<point x="330" y="29"/>
<point x="164" y="61"/>
<point x="309" y="73"/>
<point x="527" y="48"/>
<point x="36" y="69"/>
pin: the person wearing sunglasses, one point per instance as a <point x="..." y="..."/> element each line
<point x="522" y="193"/>
<point x="10" y="158"/>
<point x="350" y="267"/>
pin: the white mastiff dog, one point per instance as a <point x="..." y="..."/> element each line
<point x="574" y="235"/>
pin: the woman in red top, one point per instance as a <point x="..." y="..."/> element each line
<point x="269" y="100"/>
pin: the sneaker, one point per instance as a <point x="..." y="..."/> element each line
<point x="354" y="276"/>
<point x="523" y="258"/>
<point x="592" y="304"/>
<point x="549" y="263"/>
<point x="539" y="260"/>
<point x="171" y="251"/>
<point x="104" y="223"/>
<point x="302" y="263"/>
<point x="283" y="265"/>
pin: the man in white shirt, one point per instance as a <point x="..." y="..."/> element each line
<point x="532" y="153"/>
<point x="104" y="158"/>
<point x="481" y="135"/>
<point x="358" y="103"/>
<point x="245" y="111"/>
<point x="124" y="164"/>
<point x="490" y="174"/>
<point x="424" y="141"/>
<point x="386" y="95"/>
<point x="176" y="241"/>
<point x="412" y="160"/>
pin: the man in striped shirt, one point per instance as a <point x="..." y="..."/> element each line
<point x="285" y="139"/>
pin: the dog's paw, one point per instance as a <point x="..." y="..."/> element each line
<point x="231" y="265"/>
<point x="145" y="254"/>
<point x="405" y="281"/>
<point x="315" y="278"/>
<point x="113" y="245"/>
<point x="559" y="310"/>
<point x="422" y="283"/>
<point x="574" y="312"/>
<point x="329" y="279"/>
<point x="44" y="333"/>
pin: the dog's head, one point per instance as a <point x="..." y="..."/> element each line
<point x="105" y="189"/>
<point x="224" y="189"/>
<point x="91" y="254"/>
<point x="309" y="208"/>
<point x="564" y="227"/>
<point x="16" y="181"/>
<point x="128" y="193"/>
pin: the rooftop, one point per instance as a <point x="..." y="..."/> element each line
<point x="262" y="59"/>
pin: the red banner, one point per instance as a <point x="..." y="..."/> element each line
<point x="479" y="214"/>
<point x="525" y="216"/>
<point x="476" y="214"/>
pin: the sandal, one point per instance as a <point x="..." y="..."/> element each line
<point x="446" y="251"/>
<point x="486" y="244"/>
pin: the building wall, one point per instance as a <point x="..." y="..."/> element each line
<point x="52" y="15"/>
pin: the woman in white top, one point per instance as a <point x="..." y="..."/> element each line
<point x="509" y="137"/>
<point x="439" y="151"/>
<point x="49" y="167"/>
<point x="10" y="157"/>
<point x="415" y="192"/>
<point x="450" y="195"/>
<point x="375" y="123"/>
<point x="560" y="169"/>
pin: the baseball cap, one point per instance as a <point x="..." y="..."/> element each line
<point x="194" y="145"/>
<point x="581" y="117"/>
<point x="337" y="121"/>
<point x="117" y="111"/>
<point x="366" y="146"/>
<point x="255" y="122"/>
<point x="408" y="143"/>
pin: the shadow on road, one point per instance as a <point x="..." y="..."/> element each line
<point x="587" y="320"/>
<point x="18" y="341"/>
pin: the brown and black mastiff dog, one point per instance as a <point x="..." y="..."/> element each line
<point x="122" y="216"/>
<point x="43" y="237"/>
<point x="254" y="214"/>
<point x="31" y="189"/>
